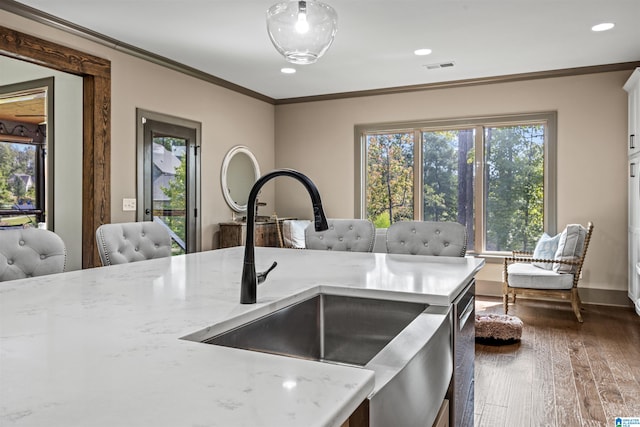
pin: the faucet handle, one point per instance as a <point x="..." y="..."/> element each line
<point x="262" y="276"/>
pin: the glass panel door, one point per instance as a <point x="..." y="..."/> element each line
<point x="170" y="180"/>
<point x="169" y="187"/>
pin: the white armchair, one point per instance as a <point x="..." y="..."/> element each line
<point x="555" y="276"/>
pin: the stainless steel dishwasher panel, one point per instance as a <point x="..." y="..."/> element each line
<point x="461" y="390"/>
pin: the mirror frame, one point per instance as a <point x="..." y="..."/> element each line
<point x="238" y="149"/>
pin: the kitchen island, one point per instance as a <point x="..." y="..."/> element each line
<point x="104" y="347"/>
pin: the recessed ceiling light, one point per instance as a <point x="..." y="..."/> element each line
<point x="422" y="52"/>
<point x="288" y="70"/>
<point x="603" y="27"/>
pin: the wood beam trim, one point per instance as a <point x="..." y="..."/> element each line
<point x="96" y="156"/>
<point x="52" y="55"/>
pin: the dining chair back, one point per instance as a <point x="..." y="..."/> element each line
<point x="29" y="252"/>
<point x="353" y="235"/>
<point x="427" y="238"/>
<point x="122" y="243"/>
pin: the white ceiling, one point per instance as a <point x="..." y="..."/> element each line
<point x="374" y="45"/>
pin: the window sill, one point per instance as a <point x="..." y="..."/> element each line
<point x="492" y="258"/>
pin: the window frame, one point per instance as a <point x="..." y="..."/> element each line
<point x="44" y="173"/>
<point x="39" y="177"/>
<point x="479" y="123"/>
<point x="192" y="132"/>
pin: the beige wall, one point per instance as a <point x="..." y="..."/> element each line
<point x="317" y="138"/>
<point x="227" y="118"/>
<point x="67" y="153"/>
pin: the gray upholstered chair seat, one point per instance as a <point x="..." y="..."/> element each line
<point x="132" y="241"/>
<point x="427" y="238"/>
<point x="523" y="275"/>
<point x="30" y="252"/>
<point x="354" y="235"/>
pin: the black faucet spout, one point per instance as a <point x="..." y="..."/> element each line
<point x="248" y="285"/>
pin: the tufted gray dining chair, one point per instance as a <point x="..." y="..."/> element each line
<point x="28" y="252"/>
<point x="354" y="235"/>
<point x="132" y="241"/>
<point x="427" y="238"/>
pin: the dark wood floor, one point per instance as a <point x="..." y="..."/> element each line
<point x="562" y="373"/>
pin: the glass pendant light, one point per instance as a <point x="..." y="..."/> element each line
<point x="301" y="31"/>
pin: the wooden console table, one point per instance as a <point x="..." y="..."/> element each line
<point x="234" y="233"/>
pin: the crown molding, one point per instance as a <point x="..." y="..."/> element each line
<point x="86" y="33"/>
<point x="510" y="78"/>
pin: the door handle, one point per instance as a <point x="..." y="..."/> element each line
<point x="147" y="211"/>
<point x="462" y="318"/>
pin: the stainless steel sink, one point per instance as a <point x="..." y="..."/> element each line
<point x="406" y="344"/>
<point x="328" y="328"/>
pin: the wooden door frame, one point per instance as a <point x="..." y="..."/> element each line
<point x="96" y="124"/>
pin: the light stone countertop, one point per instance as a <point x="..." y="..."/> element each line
<point x="102" y="347"/>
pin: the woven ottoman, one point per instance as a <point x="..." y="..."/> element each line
<point x="498" y="328"/>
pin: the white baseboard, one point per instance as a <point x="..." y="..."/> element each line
<point x="587" y="295"/>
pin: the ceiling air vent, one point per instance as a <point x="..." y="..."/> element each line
<point x="440" y="65"/>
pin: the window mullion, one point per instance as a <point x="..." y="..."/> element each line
<point x="41" y="182"/>
<point x="361" y="176"/>
<point x="418" y="193"/>
<point x="479" y="208"/>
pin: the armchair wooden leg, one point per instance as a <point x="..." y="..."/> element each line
<point x="505" y="298"/>
<point x="506" y="291"/>
<point x="576" y="304"/>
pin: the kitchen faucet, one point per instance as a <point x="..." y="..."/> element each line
<point x="250" y="280"/>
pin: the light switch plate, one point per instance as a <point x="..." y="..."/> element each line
<point x="128" y="204"/>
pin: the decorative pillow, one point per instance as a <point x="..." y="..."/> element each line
<point x="546" y="249"/>
<point x="570" y="247"/>
<point x="293" y="233"/>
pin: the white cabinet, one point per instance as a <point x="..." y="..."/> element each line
<point x="634" y="269"/>
<point x="634" y="192"/>
<point x="633" y="88"/>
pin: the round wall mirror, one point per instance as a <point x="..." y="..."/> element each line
<point x="240" y="171"/>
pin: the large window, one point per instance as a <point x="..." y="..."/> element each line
<point x="25" y="154"/>
<point x="494" y="175"/>
<point x="21" y="184"/>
